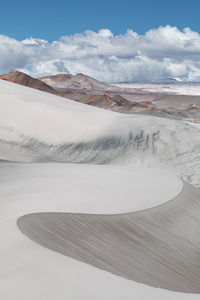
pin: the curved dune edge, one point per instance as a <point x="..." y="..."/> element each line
<point x="159" y="247"/>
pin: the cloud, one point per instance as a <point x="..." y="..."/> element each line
<point x="161" y="52"/>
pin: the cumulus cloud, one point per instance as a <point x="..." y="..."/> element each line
<point x="161" y="52"/>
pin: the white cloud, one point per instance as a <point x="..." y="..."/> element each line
<point x="161" y="52"/>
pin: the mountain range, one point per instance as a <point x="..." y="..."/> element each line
<point x="162" y="100"/>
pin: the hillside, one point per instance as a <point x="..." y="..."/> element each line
<point x="24" y="79"/>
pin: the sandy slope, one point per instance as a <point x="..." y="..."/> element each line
<point x="36" y="126"/>
<point x="40" y="127"/>
<point x="37" y="273"/>
<point x="158" y="246"/>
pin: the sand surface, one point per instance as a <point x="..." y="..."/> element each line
<point x="138" y="152"/>
<point x="158" y="247"/>
<point x="35" y="272"/>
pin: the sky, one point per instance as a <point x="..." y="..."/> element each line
<point x="109" y="40"/>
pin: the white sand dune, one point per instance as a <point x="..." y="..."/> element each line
<point x="38" y="273"/>
<point x="129" y="160"/>
<point x="158" y="246"/>
<point x="36" y="126"/>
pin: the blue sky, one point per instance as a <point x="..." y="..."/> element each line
<point x="52" y="19"/>
<point x="113" y="41"/>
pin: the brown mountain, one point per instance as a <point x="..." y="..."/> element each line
<point x="74" y="82"/>
<point x="104" y="100"/>
<point x="79" y="88"/>
<point x="112" y="102"/>
<point x="89" y="91"/>
<point x="24" y="79"/>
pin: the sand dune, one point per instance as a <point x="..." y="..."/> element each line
<point x="34" y="271"/>
<point x="129" y="160"/>
<point x="36" y="127"/>
<point x="158" y="247"/>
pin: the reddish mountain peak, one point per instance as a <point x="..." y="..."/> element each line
<point x="24" y="79"/>
<point x="74" y="82"/>
<point x="15" y="76"/>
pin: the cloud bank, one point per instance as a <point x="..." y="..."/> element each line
<point x="159" y="53"/>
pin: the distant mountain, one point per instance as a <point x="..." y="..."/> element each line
<point x="76" y="85"/>
<point x="24" y="79"/>
<point x="56" y="81"/>
<point x="74" y="82"/>
<point x="104" y="100"/>
<point x="139" y="100"/>
<point x="165" y="81"/>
